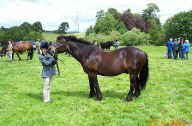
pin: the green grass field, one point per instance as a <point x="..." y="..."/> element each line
<point x="168" y="95"/>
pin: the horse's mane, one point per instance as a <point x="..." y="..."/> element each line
<point x="74" y="39"/>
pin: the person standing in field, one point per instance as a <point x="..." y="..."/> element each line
<point x="10" y="51"/>
<point x="38" y="47"/>
<point x="175" y="48"/>
<point x="169" y="45"/>
<point x="95" y="43"/>
<point x="117" y="44"/>
<point x="182" y="49"/>
<point x="187" y="48"/>
<point x="48" y="71"/>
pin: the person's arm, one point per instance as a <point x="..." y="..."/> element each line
<point x="46" y="60"/>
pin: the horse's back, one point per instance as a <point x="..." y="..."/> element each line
<point x="127" y="58"/>
<point x="130" y="50"/>
<point x="22" y="46"/>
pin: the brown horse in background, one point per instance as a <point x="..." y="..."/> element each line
<point x="95" y="61"/>
<point x="19" y="48"/>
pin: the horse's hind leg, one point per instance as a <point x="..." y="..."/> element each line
<point x="132" y="86"/>
<point x="91" y="84"/>
<point x="18" y="56"/>
<point x="137" y="87"/>
<point x="96" y="86"/>
<point x="31" y="56"/>
<point x="28" y="55"/>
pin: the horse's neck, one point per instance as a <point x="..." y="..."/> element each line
<point x="77" y="52"/>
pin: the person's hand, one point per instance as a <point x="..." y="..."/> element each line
<point x="54" y="62"/>
<point x="55" y="57"/>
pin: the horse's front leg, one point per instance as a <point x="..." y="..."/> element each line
<point x="18" y="56"/>
<point x="132" y="86"/>
<point x="91" y="84"/>
<point x="137" y="87"/>
<point x="96" y="85"/>
<point x="12" y="56"/>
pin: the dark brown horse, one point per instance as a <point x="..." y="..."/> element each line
<point x="95" y="61"/>
<point x="19" y="48"/>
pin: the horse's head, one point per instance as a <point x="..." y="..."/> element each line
<point x="60" y="46"/>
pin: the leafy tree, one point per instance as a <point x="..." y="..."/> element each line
<point x="157" y="35"/>
<point x="128" y="11"/>
<point x="37" y="26"/>
<point x="64" y="26"/>
<point x="106" y="24"/>
<point x="14" y="33"/>
<point x="180" y="25"/>
<point x="17" y="33"/>
<point x="2" y="36"/>
<point x="26" y="28"/>
<point x="89" y="31"/>
<point x="100" y="14"/>
<point x="150" y="12"/>
<point x="114" y="13"/>
<point x="3" y="28"/>
<point x="33" y="36"/>
<point x="120" y="27"/>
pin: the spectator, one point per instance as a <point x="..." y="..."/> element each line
<point x="182" y="49"/>
<point x="169" y="45"/>
<point x="38" y="47"/>
<point x="117" y="44"/>
<point x="175" y="48"/>
<point x="187" y="48"/>
<point x="10" y="51"/>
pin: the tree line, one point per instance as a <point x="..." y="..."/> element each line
<point x="139" y="29"/>
<point x="27" y="31"/>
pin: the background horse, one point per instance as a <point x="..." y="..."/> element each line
<point x="106" y="45"/>
<point x="19" y="48"/>
<point x="95" y="61"/>
<point x="3" y="50"/>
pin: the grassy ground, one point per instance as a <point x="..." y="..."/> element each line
<point x="168" y="95"/>
<point x="49" y="36"/>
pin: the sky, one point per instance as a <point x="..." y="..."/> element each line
<point x="52" y="12"/>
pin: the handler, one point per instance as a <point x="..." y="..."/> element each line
<point x="10" y="51"/>
<point x="48" y="71"/>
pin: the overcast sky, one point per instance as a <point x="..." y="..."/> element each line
<point x="52" y="12"/>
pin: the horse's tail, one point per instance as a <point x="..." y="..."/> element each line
<point x="144" y="74"/>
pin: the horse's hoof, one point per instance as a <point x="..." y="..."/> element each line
<point x="91" y="95"/>
<point x="128" y="99"/>
<point x="136" y="94"/>
<point x="99" y="99"/>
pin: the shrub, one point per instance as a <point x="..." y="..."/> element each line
<point x="135" y="37"/>
<point x="114" y="35"/>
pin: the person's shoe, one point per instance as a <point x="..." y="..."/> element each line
<point x="47" y="102"/>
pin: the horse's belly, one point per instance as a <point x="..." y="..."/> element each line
<point x="111" y="70"/>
